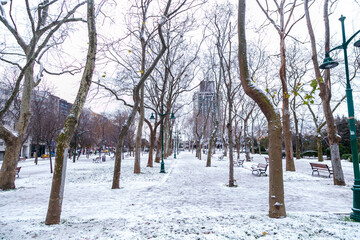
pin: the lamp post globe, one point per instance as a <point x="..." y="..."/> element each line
<point x="328" y="63"/>
<point x="357" y="43"/>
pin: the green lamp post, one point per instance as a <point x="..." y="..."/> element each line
<point x="328" y="64"/>
<point x="176" y="143"/>
<point x="162" y="115"/>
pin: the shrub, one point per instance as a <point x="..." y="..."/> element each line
<point x="346" y="156"/>
<point x="309" y="154"/>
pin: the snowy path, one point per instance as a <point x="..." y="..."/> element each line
<point x="190" y="201"/>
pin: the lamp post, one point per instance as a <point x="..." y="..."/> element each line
<point x="176" y="143"/>
<point x="328" y="64"/>
<point x="162" y="115"/>
<point x="175" y="136"/>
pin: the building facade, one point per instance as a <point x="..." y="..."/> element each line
<point x="206" y="102"/>
<point x="58" y="105"/>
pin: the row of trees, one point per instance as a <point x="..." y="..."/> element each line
<point x="154" y="63"/>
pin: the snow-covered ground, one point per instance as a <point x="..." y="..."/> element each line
<point x="190" y="201"/>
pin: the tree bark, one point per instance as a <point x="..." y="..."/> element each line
<point x="50" y="159"/>
<point x="319" y="147"/>
<point x="276" y="185"/>
<point x="71" y="122"/>
<point x="297" y="140"/>
<point x="211" y="143"/>
<point x="139" y="132"/>
<point x="14" y="141"/>
<point x="158" y="150"/>
<point x="247" y="140"/>
<point x="290" y="165"/>
<point x="151" y="150"/>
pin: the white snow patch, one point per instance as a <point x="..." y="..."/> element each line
<point x="190" y="201"/>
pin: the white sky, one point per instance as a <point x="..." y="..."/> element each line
<point x="66" y="86"/>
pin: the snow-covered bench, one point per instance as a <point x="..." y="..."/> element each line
<point x="259" y="169"/>
<point x="317" y="167"/>
<point x="96" y="160"/>
<point x="239" y="162"/>
<point x="220" y="158"/>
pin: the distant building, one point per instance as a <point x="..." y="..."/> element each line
<point x="9" y="121"/>
<point x="60" y="106"/>
<point x="205" y="100"/>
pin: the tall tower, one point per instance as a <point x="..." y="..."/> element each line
<point x="205" y="100"/>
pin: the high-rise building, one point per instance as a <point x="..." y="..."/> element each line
<point x="206" y="102"/>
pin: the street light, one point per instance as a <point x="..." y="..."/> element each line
<point x="162" y="115"/>
<point x="328" y="64"/>
<point x="176" y="143"/>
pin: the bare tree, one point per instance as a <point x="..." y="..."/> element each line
<point x="117" y="168"/>
<point x="276" y="184"/>
<point x="325" y="94"/>
<point x="296" y="70"/>
<point x="283" y="27"/>
<point x="42" y="33"/>
<point x="71" y="122"/>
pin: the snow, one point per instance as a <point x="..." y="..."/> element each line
<point x="13" y="132"/>
<point x="189" y="201"/>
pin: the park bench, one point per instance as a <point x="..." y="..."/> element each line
<point x="220" y="158"/>
<point x="239" y="162"/>
<point x="18" y="171"/>
<point x="259" y="169"/>
<point x="267" y="160"/>
<point x="317" y="167"/>
<point x="22" y="158"/>
<point x="96" y="160"/>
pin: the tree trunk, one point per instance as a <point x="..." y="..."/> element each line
<point x="211" y="142"/>
<point x="37" y="152"/>
<point x="75" y="153"/>
<point x="225" y="144"/>
<point x="139" y="133"/>
<point x="51" y="168"/>
<point x="151" y="150"/>
<point x="198" y="149"/>
<point x="8" y="168"/>
<point x="158" y="151"/>
<point x="319" y="147"/>
<point x="297" y="140"/>
<point x="231" y="157"/>
<point x="71" y="122"/>
<point x="290" y="165"/>
<point x="247" y="140"/>
<point x="14" y="142"/>
<point x="276" y="182"/>
<point x="276" y="185"/>
<point x="325" y="94"/>
<point x="252" y="139"/>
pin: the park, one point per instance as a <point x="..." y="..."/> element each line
<point x="189" y="201"/>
